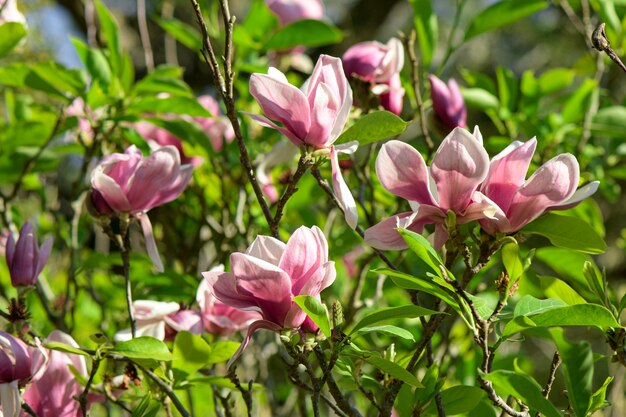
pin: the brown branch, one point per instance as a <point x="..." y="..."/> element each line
<point x="225" y="87"/>
<point x="602" y="44"/>
<point x="556" y="361"/>
<point x="245" y="393"/>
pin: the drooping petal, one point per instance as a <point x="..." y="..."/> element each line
<point x="267" y="248"/>
<point x="384" y="234"/>
<point x="282" y="102"/>
<point x="257" y="325"/>
<point x="402" y="171"/>
<point x="458" y="168"/>
<point x="552" y="184"/>
<point x="507" y="172"/>
<point x="151" y="246"/>
<point x="342" y="192"/>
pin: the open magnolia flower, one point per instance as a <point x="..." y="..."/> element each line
<point x="269" y="274"/>
<point x="15" y="371"/>
<point x="313" y="115"/>
<point x="378" y="64"/>
<point x="450" y="183"/>
<point x="519" y="201"/>
<point x="129" y="183"/>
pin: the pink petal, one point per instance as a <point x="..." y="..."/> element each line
<point x="323" y="113"/>
<point x="110" y="191"/>
<point x="153" y="175"/>
<point x="44" y="253"/>
<point x="384" y="235"/>
<point x="282" y="102"/>
<point x="458" y="168"/>
<point x="342" y="192"/>
<point x="402" y="171"/>
<point x="151" y="246"/>
<point x="507" y="172"/>
<point x="267" y="248"/>
<point x="257" y="325"/>
<point x="223" y="285"/>
<point x="552" y="184"/>
<point x="268" y="285"/>
<point x="305" y="253"/>
<point x="582" y="193"/>
<point x="264" y="121"/>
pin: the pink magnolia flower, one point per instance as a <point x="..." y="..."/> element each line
<point x="219" y="318"/>
<point x="160" y="137"/>
<point x="133" y="184"/>
<point x="15" y="370"/>
<point x="289" y="11"/>
<point x="450" y="183"/>
<point x="379" y="65"/>
<point x="314" y="115"/>
<point x="448" y="103"/>
<point x="151" y="319"/>
<point x="519" y="201"/>
<point x="218" y="128"/>
<point x="183" y="320"/>
<point x="24" y="258"/>
<point x="54" y="392"/>
<point x="269" y="274"/>
<point x="79" y="109"/>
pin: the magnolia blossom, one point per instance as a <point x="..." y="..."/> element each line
<point x="54" y="391"/>
<point x="133" y="184"/>
<point x="448" y="103"/>
<point x="24" y="258"/>
<point x="183" y="320"/>
<point x="519" y="201"/>
<point x="15" y="370"/>
<point x="380" y="65"/>
<point x="314" y="115"/>
<point x="450" y="184"/>
<point x="219" y="318"/>
<point x="269" y="274"/>
<point x="158" y="137"/>
<point x="10" y="13"/>
<point x="289" y="11"/>
<point x="150" y="319"/>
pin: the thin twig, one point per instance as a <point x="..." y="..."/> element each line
<point x="409" y="45"/>
<point x="125" y="252"/>
<point x="166" y="389"/>
<point x="556" y="361"/>
<point x="225" y="87"/>
<point x="245" y="393"/>
<point x="144" y="35"/>
<point x="82" y="399"/>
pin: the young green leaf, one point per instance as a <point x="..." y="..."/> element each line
<point x="143" y="347"/>
<point x="395" y="370"/>
<point x="408" y="311"/>
<point x="394" y="330"/>
<point x="111" y="35"/>
<point x="426" y="27"/>
<point x="316" y="311"/>
<point x="372" y="127"/>
<point x="62" y="347"/>
<point x="567" y="232"/>
<point x="529" y="305"/>
<point x="11" y="33"/>
<point x="578" y="369"/>
<point x="191" y="352"/>
<point x="307" y="32"/>
<point x="425" y="252"/>
<point x="186" y="34"/>
<point x="501" y="14"/>
<point x="512" y="262"/>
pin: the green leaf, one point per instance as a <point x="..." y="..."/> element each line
<point x="555" y="79"/>
<point x="307" y="32"/>
<point x="55" y="79"/>
<point x="144" y="347"/>
<point x="576" y="315"/>
<point x="480" y="99"/>
<point x="567" y="232"/>
<point x="575" y="107"/>
<point x="501" y="14"/>
<point x="598" y="400"/>
<point x="595" y="278"/>
<point x="425" y="252"/>
<point x="11" y="33"/>
<point x="578" y="370"/>
<point x="512" y="262"/>
<point x="524" y="388"/>
<point x="186" y="34"/>
<point x="426" y="28"/>
<point x="529" y="305"/>
<point x="395" y="370"/>
<point x="62" y="347"/>
<point x="394" y="330"/>
<point x="173" y="105"/>
<point x="405" y="312"/>
<point x="110" y="33"/>
<point x="191" y="352"/>
<point x="372" y="127"/>
<point x="222" y="350"/>
<point x="426" y="285"/>
<point x="148" y="407"/>
<point x="458" y="399"/>
<point x="316" y="311"/>
<point x="98" y="67"/>
<point x="610" y="122"/>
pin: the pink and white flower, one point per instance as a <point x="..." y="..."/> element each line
<point x="270" y="274"/>
<point x="448" y="103"/>
<point x="451" y="183"/>
<point x="15" y="371"/>
<point x="313" y="115"/>
<point x="289" y="11"/>
<point x="133" y="184"/>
